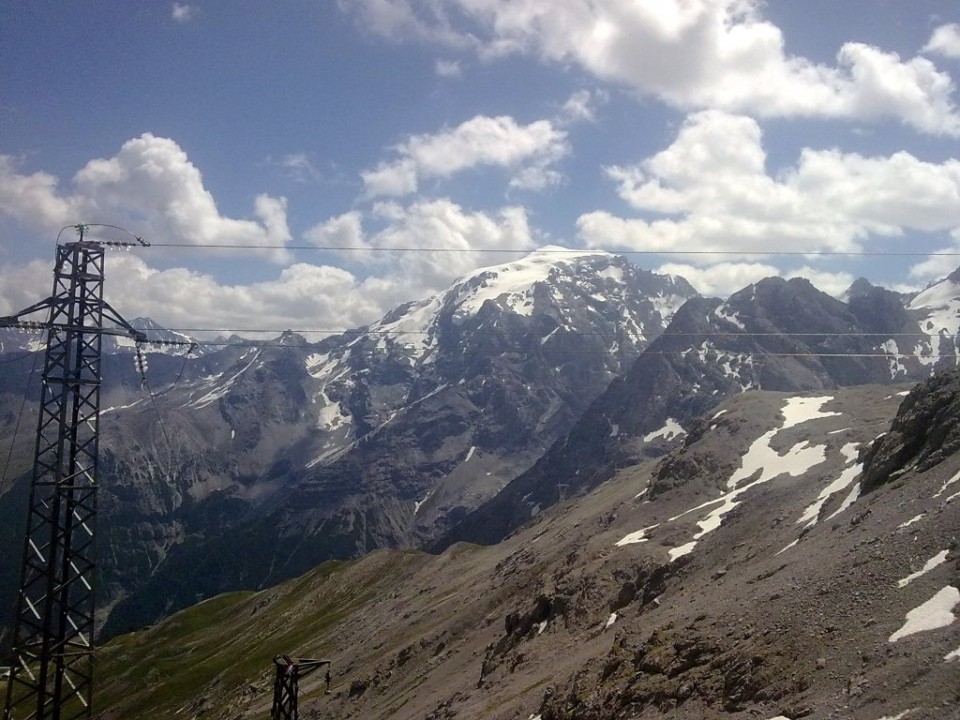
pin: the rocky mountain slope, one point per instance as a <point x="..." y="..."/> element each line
<point x="772" y="335"/>
<point x="254" y="462"/>
<point x="750" y="571"/>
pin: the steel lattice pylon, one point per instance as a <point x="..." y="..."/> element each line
<point x="52" y="671"/>
<point x="286" y="684"/>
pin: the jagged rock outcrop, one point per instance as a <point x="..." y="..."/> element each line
<point x="925" y="431"/>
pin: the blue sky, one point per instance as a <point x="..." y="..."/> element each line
<point x="660" y="127"/>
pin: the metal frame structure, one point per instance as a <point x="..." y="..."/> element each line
<point x="52" y="673"/>
<point x="286" y="685"/>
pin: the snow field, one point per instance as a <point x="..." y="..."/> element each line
<point x="763" y="463"/>
<point x="937" y="612"/>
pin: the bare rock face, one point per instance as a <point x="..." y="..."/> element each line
<point x="924" y="433"/>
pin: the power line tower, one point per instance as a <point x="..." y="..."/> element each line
<point x="286" y="684"/>
<point x="52" y="672"/>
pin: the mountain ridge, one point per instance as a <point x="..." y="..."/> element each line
<point x="279" y="455"/>
<point x="775" y="334"/>
<point x="715" y="591"/>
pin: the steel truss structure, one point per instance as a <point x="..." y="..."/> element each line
<point x="286" y="685"/>
<point x="52" y="672"/>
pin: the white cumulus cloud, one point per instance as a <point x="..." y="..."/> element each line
<point x="691" y="54"/>
<point x="149" y="186"/>
<point x="304" y="295"/>
<point x="721" y="279"/>
<point x="449" y="241"/>
<point x="301" y="296"/>
<point x="530" y="150"/>
<point x="945" y="41"/>
<point x="710" y="191"/>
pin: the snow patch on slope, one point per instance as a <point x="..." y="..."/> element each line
<point x="723" y="312"/>
<point x="413" y="331"/>
<point x="635" y="537"/>
<point x="849" y="474"/>
<point x="762" y="463"/>
<point x="935" y="613"/>
<point x="942" y="321"/>
<point x="669" y="431"/>
<point x="935" y="561"/>
<point x="219" y="389"/>
<point x="768" y="462"/>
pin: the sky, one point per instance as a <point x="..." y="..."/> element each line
<point x="312" y="164"/>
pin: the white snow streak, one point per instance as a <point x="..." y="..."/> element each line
<point x="635" y="537"/>
<point x="911" y="521"/>
<point x="121" y="407"/>
<point x="784" y="549"/>
<point x="669" y="431"/>
<point x="764" y="463"/>
<point x="723" y="312"/>
<point x="848" y="501"/>
<point x="937" y="612"/>
<point x="419" y="503"/>
<point x="933" y="562"/>
<point x="682" y="550"/>
<point x="849" y="474"/>
<point x="224" y="387"/>
<point x="948" y="483"/>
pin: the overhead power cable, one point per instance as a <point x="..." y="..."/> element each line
<point x="518" y="333"/>
<point x="551" y="250"/>
<point x="574" y="351"/>
<point x="16" y="427"/>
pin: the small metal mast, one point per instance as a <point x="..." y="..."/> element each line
<point x="286" y="685"/>
<point x="52" y="672"/>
